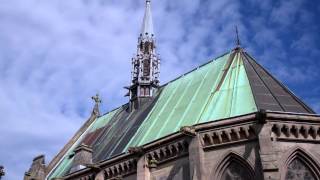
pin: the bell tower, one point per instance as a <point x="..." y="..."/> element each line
<point x="146" y="63"/>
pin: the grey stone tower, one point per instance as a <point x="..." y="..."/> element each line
<point x="146" y="63"/>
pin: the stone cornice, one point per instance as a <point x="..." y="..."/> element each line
<point x="288" y="131"/>
<point x="226" y="122"/>
<point x="228" y="135"/>
<point x="271" y="115"/>
<point x="121" y="169"/>
<point x="169" y="151"/>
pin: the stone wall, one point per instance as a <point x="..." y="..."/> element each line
<point x="264" y="145"/>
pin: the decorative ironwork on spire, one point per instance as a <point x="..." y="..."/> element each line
<point x="97" y="101"/>
<point x="146" y="63"/>
<point x="238" y="44"/>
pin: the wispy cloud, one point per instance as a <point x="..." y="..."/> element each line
<point x="54" y="55"/>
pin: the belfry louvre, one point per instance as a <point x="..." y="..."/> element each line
<point x="228" y="119"/>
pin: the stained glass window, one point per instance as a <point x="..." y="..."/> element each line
<point x="297" y="170"/>
<point x="236" y="171"/>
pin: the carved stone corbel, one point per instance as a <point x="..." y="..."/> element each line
<point x="136" y="150"/>
<point x="152" y="164"/>
<point x="188" y="130"/>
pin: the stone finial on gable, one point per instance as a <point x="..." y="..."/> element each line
<point x="37" y="169"/>
<point x="82" y="158"/>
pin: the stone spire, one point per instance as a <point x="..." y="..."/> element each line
<point x="146" y="63"/>
<point x="147" y="25"/>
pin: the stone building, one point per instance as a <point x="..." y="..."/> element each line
<point x="228" y="119"/>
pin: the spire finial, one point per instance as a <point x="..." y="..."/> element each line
<point x="97" y="101"/>
<point x="237" y="38"/>
<point x="147" y="25"/>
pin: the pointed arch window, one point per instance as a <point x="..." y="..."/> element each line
<point x="236" y="171"/>
<point x="300" y="165"/>
<point x="142" y="91"/>
<point x="147" y="91"/>
<point x="297" y="170"/>
<point x="233" y="167"/>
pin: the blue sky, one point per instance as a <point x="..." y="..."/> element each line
<point x="56" y="54"/>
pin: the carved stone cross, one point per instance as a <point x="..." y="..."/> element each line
<point x="96" y="99"/>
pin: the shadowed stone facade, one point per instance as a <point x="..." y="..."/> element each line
<point x="268" y="145"/>
<point x="263" y="145"/>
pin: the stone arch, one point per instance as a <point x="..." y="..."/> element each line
<point x="299" y="164"/>
<point x="233" y="166"/>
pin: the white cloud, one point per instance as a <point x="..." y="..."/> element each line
<point x="285" y="13"/>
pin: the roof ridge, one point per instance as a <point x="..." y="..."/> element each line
<point x="106" y="113"/>
<point x="194" y="69"/>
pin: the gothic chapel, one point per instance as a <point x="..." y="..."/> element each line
<point x="228" y="119"/>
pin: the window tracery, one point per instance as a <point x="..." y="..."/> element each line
<point x="297" y="170"/>
<point x="236" y="171"/>
<point x="233" y="167"/>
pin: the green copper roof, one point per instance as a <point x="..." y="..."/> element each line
<point x="231" y="85"/>
<point x="103" y="120"/>
<point x="65" y="164"/>
<point x="213" y="91"/>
